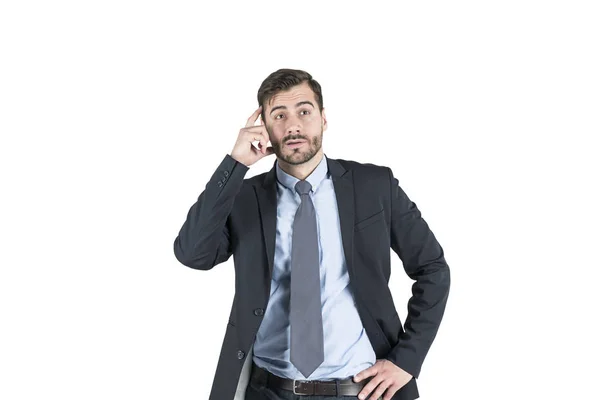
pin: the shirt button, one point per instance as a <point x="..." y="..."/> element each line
<point x="259" y="311"/>
<point x="240" y="355"/>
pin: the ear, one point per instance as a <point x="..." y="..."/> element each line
<point x="324" y="119"/>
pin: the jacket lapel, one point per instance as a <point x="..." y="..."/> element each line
<point x="343" y="184"/>
<point x="344" y="192"/>
<point x="267" y="204"/>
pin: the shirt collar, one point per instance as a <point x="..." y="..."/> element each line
<point x="315" y="177"/>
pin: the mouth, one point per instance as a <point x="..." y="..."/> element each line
<point x="295" y="143"/>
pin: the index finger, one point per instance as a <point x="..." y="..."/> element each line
<point x="252" y="120"/>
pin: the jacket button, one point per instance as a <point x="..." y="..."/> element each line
<point x="220" y="184"/>
<point x="226" y="173"/>
<point x="259" y="311"/>
<point x="240" y="355"/>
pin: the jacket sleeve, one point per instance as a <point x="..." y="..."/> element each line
<point x="203" y="240"/>
<point x="423" y="260"/>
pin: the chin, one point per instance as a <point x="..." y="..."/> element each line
<point x="297" y="158"/>
<point x="293" y="157"/>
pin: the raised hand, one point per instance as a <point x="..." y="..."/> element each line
<point x="243" y="150"/>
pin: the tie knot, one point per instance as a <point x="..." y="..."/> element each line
<point x="303" y="187"/>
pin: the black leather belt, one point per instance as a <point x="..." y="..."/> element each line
<point x="341" y="387"/>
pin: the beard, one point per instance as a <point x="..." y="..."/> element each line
<point x="298" y="156"/>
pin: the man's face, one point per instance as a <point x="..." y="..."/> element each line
<point x="293" y="116"/>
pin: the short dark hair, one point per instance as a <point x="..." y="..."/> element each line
<point x="283" y="79"/>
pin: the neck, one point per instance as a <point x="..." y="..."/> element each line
<point x="301" y="171"/>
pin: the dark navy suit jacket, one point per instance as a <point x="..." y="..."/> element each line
<point x="237" y="216"/>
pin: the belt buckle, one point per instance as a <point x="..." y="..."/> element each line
<point x="302" y="394"/>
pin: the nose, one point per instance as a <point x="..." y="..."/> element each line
<point x="293" y="127"/>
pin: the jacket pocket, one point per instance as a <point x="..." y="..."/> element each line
<point x="368" y="221"/>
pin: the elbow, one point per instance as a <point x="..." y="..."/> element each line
<point x="194" y="261"/>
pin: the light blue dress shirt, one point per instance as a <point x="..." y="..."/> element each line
<point x="347" y="347"/>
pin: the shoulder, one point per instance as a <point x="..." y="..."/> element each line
<point x="369" y="178"/>
<point x="363" y="169"/>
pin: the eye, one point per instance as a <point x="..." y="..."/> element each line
<point x="277" y="116"/>
<point x="306" y="111"/>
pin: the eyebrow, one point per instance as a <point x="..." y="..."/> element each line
<point x="297" y="105"/>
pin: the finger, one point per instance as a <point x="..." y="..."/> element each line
<point x="255" y="151"/>
<point x="262" y="145"/>
<point x="268" y="151"/>
<point x="369" y="387"/>
<point x="252" y="120"/>
<point x="259" y="147"/>
<point x="255" y="128"/>
<point x="252" y="136"/>
<point x="267" y="139"/>
<point x="262" y="142"/>
<point x="258" y="129"/>
<point x="379" y="392"/>
<point x="391" y="391"/>
<point x="365" y="374"/>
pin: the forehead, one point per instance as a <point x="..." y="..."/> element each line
<point x="293" y="95"/>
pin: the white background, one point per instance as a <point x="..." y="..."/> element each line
<point x="115" y="114"/>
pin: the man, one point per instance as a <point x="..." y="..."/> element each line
<point x="312" y="315"/>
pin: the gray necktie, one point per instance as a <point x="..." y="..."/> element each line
<point x="306" y="322"/>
